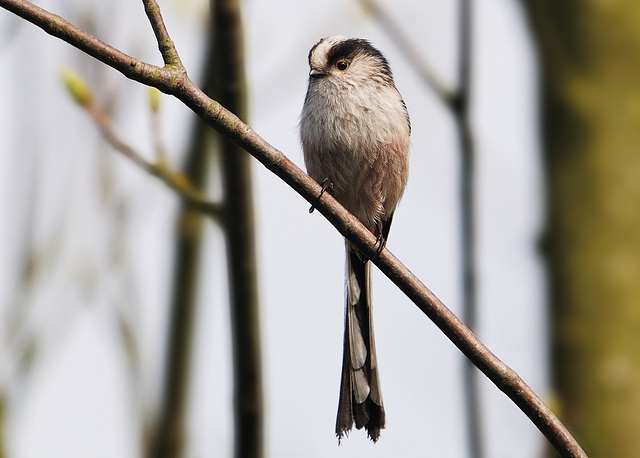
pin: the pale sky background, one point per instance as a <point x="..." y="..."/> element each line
<point x="74" y="202"/>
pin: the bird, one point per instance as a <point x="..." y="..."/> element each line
<point x="355" y="134"/>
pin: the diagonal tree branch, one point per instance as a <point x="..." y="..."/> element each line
<point x="58" y="27"/>
<point x="173" y="80"/>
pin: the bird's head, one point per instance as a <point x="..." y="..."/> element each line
<point x="340" y="58"/>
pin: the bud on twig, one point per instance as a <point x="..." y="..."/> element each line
<point x="78" y="89"/>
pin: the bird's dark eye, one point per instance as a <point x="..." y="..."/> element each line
<point x="342" y="65"/>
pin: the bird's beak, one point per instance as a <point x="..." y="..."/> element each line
<point x="314" y="73"/>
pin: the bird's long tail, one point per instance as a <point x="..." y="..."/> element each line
<point x="360" y="395"/>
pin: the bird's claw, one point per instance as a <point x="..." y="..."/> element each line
<point x="326" y="185"/>
<point x="381" y="242"/>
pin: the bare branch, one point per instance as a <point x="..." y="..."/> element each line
<point x="161" y="169"/>
<point x="177" y="83"/>
<point x="165" y="44"/>
<point x="58" y="27"/>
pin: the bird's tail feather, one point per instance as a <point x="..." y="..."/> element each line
<point x="360" y="395"/>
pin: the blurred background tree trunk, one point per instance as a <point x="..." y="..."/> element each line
<point x="590" y="74"/>
<point x="225" y="81"/>
<point x="168" y="437"/>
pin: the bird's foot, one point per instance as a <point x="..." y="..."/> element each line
<point x="326" y="186"/>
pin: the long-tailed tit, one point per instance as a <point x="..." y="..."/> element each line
<point x="355" y="134"/>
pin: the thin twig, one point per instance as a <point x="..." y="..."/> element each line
<point x="348" y="225"/>
<point x="160" y="169"/>
<point x="60" y="28"/>
<point x="165" y="44"/>
<point x="108" y="131"/>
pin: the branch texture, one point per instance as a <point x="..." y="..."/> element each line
<point x="174" y="81"/>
